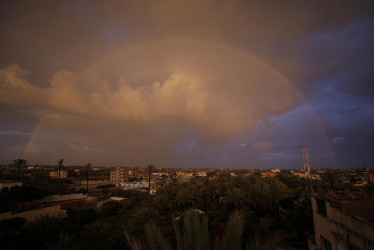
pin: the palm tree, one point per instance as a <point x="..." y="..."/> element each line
<point x="65" y="242"/>
<point x="150" y="168"/>
<point x="185" y="198"/>
<point x="331" y="176"/>
<point x="271" y="243"/>
<point x="162" y="202"/>
<point x="143" y="215"/>
<point x="19" y="163"/>
<point x="234" y="196"/>
<point x="255" y="193"/>
<point x="60" y="165"/>
<point x="308" y="187"/>
<point x="205" y="187"/>
<point x="95" y="235"/>
<point x="191" y="230"/>
<point x="133" y="242"/>
<point x="42" y="231"/>
<point x="278" y="191"/>
<point x="232" y="239"/>
<point x="191" y="233"/>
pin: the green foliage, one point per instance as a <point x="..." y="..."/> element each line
<point x="155" y="238"/>
<point x="271" y="243"/>
<point x="262" y="207"/>
<point x="191" y="231"/>
<point x="110" y="208"/>
<point x="232" y="240"/>
<point x="234" y="197"/>
<point x="82" y="216"/>
<point x="143" y="215"/>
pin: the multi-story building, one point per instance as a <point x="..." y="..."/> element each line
<point x="118" y="175"/>
<point x="342" y="223"/>
<point x="63" y="174"/>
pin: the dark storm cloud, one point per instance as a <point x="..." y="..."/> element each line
<point x="173" y="82"/>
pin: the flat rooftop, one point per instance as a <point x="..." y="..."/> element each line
<point x="359" y="204"/>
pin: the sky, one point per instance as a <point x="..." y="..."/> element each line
<point x="192" y="84"/>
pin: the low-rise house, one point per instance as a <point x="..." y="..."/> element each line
<point x="342" y="223"/>
<point x="55" y="174"/>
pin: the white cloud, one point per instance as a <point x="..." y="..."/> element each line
<point x="262" y="146"/>
<point x="338" y="140"/>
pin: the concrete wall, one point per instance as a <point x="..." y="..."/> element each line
<point x="9" y="185"/>
<point x="92" y="184"/>
<point x="59" y="198"/>
<point x="53" y="211"/>
<point x="340" y="228"/>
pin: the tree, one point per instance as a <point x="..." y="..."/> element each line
<point x="185" y="198"/>
<point x="234" y="196"/>
<point x="205" y="188"/>
<point x="162" y="202"/>
<point x="331" y="176"/>
<point x="142" y="216"/>
<point x="255" y="193"/>
<point x="19" y="163"/>
<point x="271" y="243"/>
<point x="150" y="168"/>
<point x="278" y="191"/>
<point x="65" y="242"/>
<point x="191" y="232"/>
<point x="95" y="235"/>
<point x="232" y="239"/>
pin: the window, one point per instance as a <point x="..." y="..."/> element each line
<point x="326" y="245"/>
<point x="321" y="207"/>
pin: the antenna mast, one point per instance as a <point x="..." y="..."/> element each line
<point x="306" y="159"/>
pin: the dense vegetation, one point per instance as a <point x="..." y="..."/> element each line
<point x="233" y="212"/>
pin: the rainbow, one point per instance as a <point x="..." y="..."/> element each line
<point x="234" y="49"/>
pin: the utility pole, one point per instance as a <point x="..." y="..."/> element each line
<point x="60" y="162"/>
<point x="87" y="170"/>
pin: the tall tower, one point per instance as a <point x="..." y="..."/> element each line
<point x="306" y="159"/>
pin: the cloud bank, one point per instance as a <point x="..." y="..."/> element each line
<point x="213" y="90"/>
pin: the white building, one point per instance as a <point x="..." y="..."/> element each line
<point x="63" y="174"/>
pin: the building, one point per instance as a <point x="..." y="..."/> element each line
<point x="63" y="174"/>
<point x="342" y="222"/>
<point x="201" y="173"/>
<point x="114" y="199"/>
<point x="268" y="174"/>
<point x="305" y="174"/>
<point x="118" y="175"/>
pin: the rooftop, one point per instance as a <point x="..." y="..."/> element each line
<point x="358" y="204"/>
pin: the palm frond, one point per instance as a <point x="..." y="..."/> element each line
<point x="270" y="243"/>
<point x="191" y="231"/>
<point x="232" y="239"/>
<point x="134" y="243"/>
<point x="155" y="238"/>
